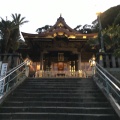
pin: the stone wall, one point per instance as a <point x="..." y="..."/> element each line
<point x="115" y="72"/>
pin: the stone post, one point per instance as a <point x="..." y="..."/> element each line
<point x="101" y="59"/>
<point x="107" y="61"/>
<point x="113" y="62"/>
<point x="119" y="62"/>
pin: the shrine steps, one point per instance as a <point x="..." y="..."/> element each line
<point x="57" y="99"/>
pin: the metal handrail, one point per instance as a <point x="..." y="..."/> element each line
<point x="15" y="67"/>
<point x="109" y="80"/>
<point x="13" y="70"/>
<point x="112" y="87"/>
<point x="7" y="79"/>
<point x="116" y="80"/>
<point x="110" y="83"/>
<point x="14" y="77"/>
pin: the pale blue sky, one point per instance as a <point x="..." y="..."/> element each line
<point x="42" y="12"/>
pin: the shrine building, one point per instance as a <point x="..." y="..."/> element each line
<point x="58" y="51"/>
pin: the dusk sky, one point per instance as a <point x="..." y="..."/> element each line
<point x="46" y="12"/>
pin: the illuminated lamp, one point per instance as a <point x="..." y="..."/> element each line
<point x="38" y="67"/>
<point x="60" y="33"/>
<point x="72" y="36"/>
<point x="84" y="37"/>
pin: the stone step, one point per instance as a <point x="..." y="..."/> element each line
<point x="57" y="99"/>
<point x="56" y="116"/>
<point x="55" y="104"/>
<point x="54" y="109"/>
<point x="38" y="94"/>
<point x="72" y="99"/>
<point x="59" y="91"/>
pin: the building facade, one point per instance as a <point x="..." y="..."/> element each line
<point x="60" y="50"/>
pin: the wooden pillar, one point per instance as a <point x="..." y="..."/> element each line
<point x="79" y="61"/>
<point x="41" y="61"/>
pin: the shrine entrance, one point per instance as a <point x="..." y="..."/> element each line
<point x="59" y="51"/>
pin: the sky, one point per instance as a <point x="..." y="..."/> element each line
<point x="45" y="12"/>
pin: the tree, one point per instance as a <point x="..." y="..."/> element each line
<point x="6" y="26"/>
<point x="117" y="19"/>
<point x="110" y="20"/>
<point x="10" y="33"/>
<point x="77" y="27"/>
<point x="43" y="29"/>
<point x="112" y="39"/>
<point x="15" y="35"/>
<point x="85" y="29"/>
<point x="110" y="16"/>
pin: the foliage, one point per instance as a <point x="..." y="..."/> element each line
<point x="110" y="21"/>
<point x="43" y="29"/>
<point x="112" y="37"/>
<point x="85" y="29"/>
<point x="117" y="19"/>
<point x="10" y="33"/>
<point x="109" y="17"/>
<point x="93" y="43"/>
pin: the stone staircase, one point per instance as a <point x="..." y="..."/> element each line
<point x="57" y="99"/>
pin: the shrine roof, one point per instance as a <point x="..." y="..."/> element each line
<point x="60" y="28"/>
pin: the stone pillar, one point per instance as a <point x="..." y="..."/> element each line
<point x="107" y="61"/>
<point x="15" y="60"/>
<point x="101" y="59"/>
<point x="79" y="61"/>
<point x="9" y="62"/>
<point x="119" y="62"/>
<point x="113" y="61"/>
<point x="27" y="71"/>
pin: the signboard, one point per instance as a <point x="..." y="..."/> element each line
<point x="2" y="75"/>
<point x="2" y="82"/>
<point x="4" y="69"/>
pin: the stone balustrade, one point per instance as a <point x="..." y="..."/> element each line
<point x="108" y="60"/>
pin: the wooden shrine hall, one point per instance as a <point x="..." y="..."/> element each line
<point x="58" y="51"/>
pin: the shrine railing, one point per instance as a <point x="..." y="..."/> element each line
<point x="12" y="78"/>
<point x="109" y="85"/>
<point x="83" y="74"/>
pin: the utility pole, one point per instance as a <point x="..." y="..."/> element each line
<point x="100" y="30"/>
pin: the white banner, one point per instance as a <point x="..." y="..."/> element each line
<point x="3" y="74"/>
<point x="2" y="85"/>
<point x="4" y="69"/>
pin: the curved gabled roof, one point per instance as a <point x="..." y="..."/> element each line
<point x="60" y="23"/>
<point x="60" y="28"/>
